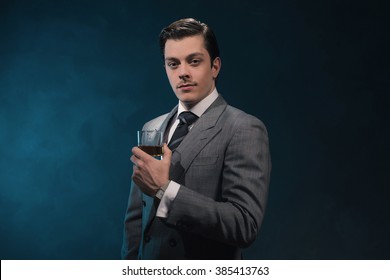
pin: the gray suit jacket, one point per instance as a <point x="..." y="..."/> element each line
<point x="223" y="166"/>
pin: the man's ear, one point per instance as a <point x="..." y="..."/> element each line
<point x="216" y="67"/>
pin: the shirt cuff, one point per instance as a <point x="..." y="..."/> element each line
<point x="167" y="199"/>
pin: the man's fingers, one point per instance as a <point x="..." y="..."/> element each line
<point x="139" y="157"/>
<point x="139" y="153"/>
<point x="167" y="153"/>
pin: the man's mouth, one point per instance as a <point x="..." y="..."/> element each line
<point x="186" y="85"/>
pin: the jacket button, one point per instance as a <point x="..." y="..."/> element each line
<point x="147" y="239"/>
<point x="172" y="243"/>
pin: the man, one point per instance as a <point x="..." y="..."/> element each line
<point x="206" y="198"/>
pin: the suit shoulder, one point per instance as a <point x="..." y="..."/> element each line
<point x="155" y="123"/>
<point x="240" y="118"/>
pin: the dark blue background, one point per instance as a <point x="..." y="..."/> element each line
<point x="78" y="78"/>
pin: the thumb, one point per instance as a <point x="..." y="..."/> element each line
<point x="167" y="153"/>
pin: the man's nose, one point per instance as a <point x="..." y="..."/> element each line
<point x="184" y="72"/>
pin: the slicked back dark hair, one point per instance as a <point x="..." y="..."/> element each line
<point x="188" y="27"/>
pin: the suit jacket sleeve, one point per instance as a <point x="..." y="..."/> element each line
<point x="132" y="233"/>
<point x="132" y="224"/>
<point x="236" y="217"/>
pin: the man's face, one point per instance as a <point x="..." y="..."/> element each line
<point x="189" y="69"/>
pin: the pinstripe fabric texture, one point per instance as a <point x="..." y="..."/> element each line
<point x="223" y="167"/>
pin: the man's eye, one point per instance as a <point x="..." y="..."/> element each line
<point x="172" y="65"/>
<point x="195" y="61"/>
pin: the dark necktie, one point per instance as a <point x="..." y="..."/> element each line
<point x="186" y="118"/>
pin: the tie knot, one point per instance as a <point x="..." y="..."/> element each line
<point x="187" y="117"/>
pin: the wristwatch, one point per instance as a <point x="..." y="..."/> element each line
<point x="161" y="191"/>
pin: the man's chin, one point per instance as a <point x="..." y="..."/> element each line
<point x="188" y="103"/>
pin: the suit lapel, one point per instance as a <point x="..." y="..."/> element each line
<point x="203" y="131"/>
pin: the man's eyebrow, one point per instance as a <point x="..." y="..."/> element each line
<point x="171" y="58"/>
<point x="188" y="56"/>
<point x="195" y="54"/>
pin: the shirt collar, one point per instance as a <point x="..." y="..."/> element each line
<point x="202" y="106"/>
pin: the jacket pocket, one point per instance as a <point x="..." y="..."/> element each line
<point x="209" y="160"/>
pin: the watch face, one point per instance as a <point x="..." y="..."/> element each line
<point x="159" y="193"/>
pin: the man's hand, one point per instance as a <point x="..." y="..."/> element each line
<point x="149" y="173"/>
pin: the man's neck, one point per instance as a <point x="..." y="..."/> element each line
<point x="200" y="107"/>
